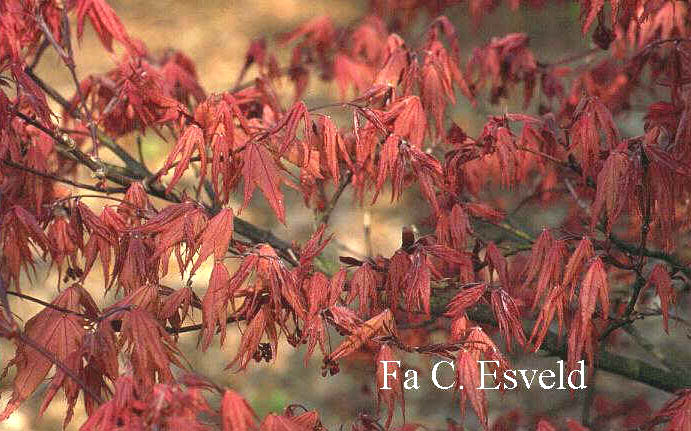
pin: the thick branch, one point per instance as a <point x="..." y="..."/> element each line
<point x="674" y="261"/>
<point x="633" y="369"/>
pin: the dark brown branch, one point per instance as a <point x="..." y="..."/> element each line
<point x="46" y="304"/>
<point x="633" y="369"/>
<point x="69" y="149"/>
<point x="65" y="180"/>
<point x="571" y="58"/>
<point x="675" y="262"/>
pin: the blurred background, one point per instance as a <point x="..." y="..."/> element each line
<point x="216" y="35"/>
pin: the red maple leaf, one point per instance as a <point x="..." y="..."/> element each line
<point x="106" y="23"/>
<point x="259" y="168"/>
<point x="392" y="393"/>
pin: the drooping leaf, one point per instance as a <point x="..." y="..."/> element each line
<point x="614" y="189"/>
<point x="394" y="391"/>
<point x="216" y="237"/>
<point x="508" y="316"/>
<point x="659" y="277"/>
<point x="236" y="413"/>
<point x="379" y="325"/>
<point x="465" y="299"/>
<point x="259" y="169"/>
<point x="262" y="323"/>
<point x="575" y="265"/>
<point x="150" y="348"/>
<point x="468" y="377"/>
<point x="215" y="305"/>
<point x="60" y="334"/>
<point x="105" y="21"/>
<point x="192" y="139"/>
<point x="594" y="287"/>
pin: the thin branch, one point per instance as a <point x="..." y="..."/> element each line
<point x="39" y="54"/>
<point x="67" y="56"/>
<point x="506" y="226"/>
<point x="59" y="179"/>
<point x="571" y="58"/>
<point x="334" y="199"/>
<point x="545" y="156"/>
<point x="47" y="304"/>
<point x="61" y="365"/>
<point x="17" y="333"/>
<point x="674" y="261"/>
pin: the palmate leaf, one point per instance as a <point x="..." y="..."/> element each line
<point x="395" y="393"/>
<point x="468" y="376"/>
<point x="538" y="255"/>
<point x="216" y="237"/>
<point x="105" y="22"/>
<point x="236" y="413"/>
<point x="260" y="169"/>
<point x="659" y="277"/>
<point x="591" y="120"/>
<point x="151" y="349"/>
<point x="582" y="334"/>
<point x="379" y="325"/>
<point x="363" y="286"/>
<point x="262" y="323"/>
<point x="614" y="188"/>
<point x="60" y="334"/>
<point x="593" y="288"/>
<point x="192" y="139"/>
<point x="331" y="146"/>
<point x="465" y="299"/>
<point x="576" y="263"/>
<point x="508" y="316"/>
<point x="215" y="305"/>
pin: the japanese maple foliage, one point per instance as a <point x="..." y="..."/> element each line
<point x="454" y="289"/>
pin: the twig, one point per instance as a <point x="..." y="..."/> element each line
<point x="630" y="368"/>
<point x="545" y="156"/>
<point x="584" y="206"/>
<point x="571" y="58"/>
<point x="39" y="54"/>
<point x="57" y="178"/>
<point x="676" y="264"/>
<point x="506" y="226"/>
<point x="17" y="333"/>
<point x="140" y="151"/>
<point x="67" y="57"/>
<point x="61" y="365"/>
<point x="47" y="304"/>
<point x="334" y="199"/>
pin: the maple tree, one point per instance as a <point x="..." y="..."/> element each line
<point x="614" y="259"/>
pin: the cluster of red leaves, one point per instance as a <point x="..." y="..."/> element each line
<point x="399" y="135"/>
